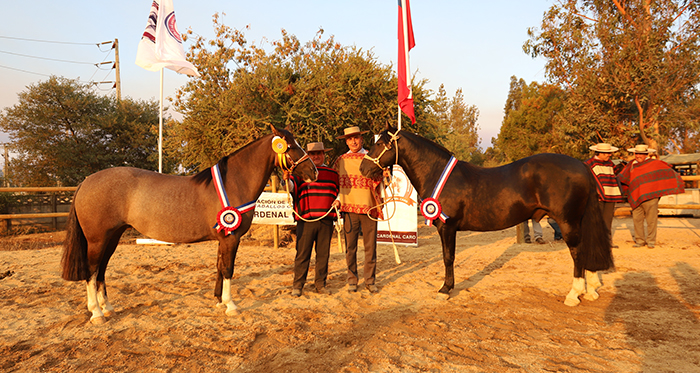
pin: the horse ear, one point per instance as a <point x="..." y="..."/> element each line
<point x="275" y="131"/>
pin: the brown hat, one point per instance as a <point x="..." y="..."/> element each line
<point x="603" y="148"/>
<point x="352" y="131"/>
<point x="316" y="147"/>
<point x="641" y="149"/>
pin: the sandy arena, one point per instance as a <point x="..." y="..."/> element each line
<point x="506" y="313"/>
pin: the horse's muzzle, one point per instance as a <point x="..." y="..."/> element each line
<point x="369" y="169"/>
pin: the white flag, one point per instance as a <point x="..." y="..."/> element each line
<point x="161" y="43"/>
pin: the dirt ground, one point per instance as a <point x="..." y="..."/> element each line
<point x="506" y="313"/>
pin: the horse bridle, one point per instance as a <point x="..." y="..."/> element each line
<point x="283" y="164"/>
<point x="394" y="137"/>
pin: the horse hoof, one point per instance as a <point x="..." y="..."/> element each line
<point x="108" y="313"/>
<point x="98" y="320"/>
<point x="591" y="296"/>
<point x="232" y="312"/>
<point x="572" y="302"/>
<point x="220" y="305"/>
<point x="442" y="296"/>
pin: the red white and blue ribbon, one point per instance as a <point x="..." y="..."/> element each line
<point x="229" y="218"/>
<point x="430" y="207"/>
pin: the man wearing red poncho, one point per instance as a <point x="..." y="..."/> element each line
<point x="644" y="181"/>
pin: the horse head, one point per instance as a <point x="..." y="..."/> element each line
<point x="382" y="154"/>
<point x="291" y="157"/>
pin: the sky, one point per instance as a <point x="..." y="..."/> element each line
<point x="467" y="44"/>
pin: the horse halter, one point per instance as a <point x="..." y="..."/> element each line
<point x="281" y="148"/>
<point x="394" y="137"/>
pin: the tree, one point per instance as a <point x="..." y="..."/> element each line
<point x="457" y="130"/>
<point x="63" y="132"/>
<point x="316" y="89"/>
<point x="630" y="68"/>
<point x="531" y="121"/>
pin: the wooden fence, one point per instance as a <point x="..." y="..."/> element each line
<point x="55" y="214"/>
<point x="53" y="205"/>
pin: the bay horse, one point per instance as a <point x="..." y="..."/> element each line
<point x="177" y="209"/>
<point x="488" y="199"/>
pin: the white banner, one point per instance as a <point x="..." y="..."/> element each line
<point x="161" y="43"/>
<point x="404" y="221"/>
<point x="273" y="208"/>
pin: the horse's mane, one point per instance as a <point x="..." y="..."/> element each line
<point x="204" y="176"/>
<point x="431" y="142"/>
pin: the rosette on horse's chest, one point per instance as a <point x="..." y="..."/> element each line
<point x="430" y="207"/>
<point x="229" y="218"/>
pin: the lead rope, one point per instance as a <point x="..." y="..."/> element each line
<point x="339" y="224"/>
<point x="394" y="138"/>
<point x="391" y="234"/>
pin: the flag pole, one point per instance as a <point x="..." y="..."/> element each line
<point x="406" y="50"/>
<point x="160" y="126"/>
<point x="399" y="118"/>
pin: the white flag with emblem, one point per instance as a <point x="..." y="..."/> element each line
<point x="161" y="43"/>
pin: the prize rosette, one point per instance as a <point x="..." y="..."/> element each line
<point x="431" y="209"/>
<point x="229" y="219"/>
<point x="279" y="145"/>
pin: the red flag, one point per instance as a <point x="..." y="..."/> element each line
<point x="406" y="43"/>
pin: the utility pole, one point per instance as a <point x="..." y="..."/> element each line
<point x="6" y="169"/>
<point x="118" y="82"/>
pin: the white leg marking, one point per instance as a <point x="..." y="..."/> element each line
<point x="578" y="287"/>
<point x="592" y="283"/>
<point x="97" y="316"/>
<point x="226" y="300"/>
<point x="106" y="307"/>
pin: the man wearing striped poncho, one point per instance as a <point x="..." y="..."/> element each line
<point x="608" y="188"/>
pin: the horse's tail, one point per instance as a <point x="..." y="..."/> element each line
<point x="74" y="261"/>
<point x="594" y="251"/>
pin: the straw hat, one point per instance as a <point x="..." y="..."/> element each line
<point x="603" y="148"/>
<point x="316" y="147"/>
<point x="352" y="131"/>
<point x="641" y="149"/>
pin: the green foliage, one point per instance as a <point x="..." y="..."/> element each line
<point x="457" y="126"/>
<point x="530" y="124"/>
<point x="630" y="69"/>
<point x="63" y="132"/>
<point x="316" y="89"/>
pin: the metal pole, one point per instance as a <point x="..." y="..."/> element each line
<point x="160" y="126"/>
<point x="276" y="229"/>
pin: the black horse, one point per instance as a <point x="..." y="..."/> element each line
<point x="488" y="199"/>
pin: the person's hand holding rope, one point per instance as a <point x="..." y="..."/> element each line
<point x="386" y="174"/>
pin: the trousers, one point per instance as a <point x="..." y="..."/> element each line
<point x="648" y="211"/>
<point x="353" y="223"/>
<point x="608" y="210"/>
<point x="320" y="233"/>
<point x="536" y="228"/>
